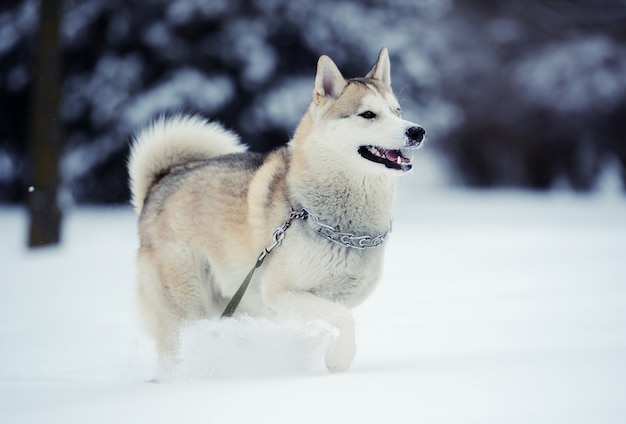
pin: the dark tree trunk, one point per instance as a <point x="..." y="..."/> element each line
<point x="45" y="135"/>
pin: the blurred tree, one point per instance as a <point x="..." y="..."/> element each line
<point x="522" y="94"/>
<point x="46" y="137"/>
<point x="538" y="85"/>
<point x="247" y="63"/>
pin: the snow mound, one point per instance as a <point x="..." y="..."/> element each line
<point x="243" y="347"/>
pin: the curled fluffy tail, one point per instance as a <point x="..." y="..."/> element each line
<point x="174" y="141"/>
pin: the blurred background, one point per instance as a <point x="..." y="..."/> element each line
<point x="513" y="94"/>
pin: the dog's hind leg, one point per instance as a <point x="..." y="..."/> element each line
<point x="172" y="289"/>
<point x="160" y="322"/>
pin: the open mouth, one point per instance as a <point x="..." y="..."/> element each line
<point x="391" y="158"/>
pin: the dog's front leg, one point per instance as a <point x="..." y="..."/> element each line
<point x="303" y="305"/>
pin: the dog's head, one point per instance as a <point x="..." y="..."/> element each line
<point x="360" y="119"/>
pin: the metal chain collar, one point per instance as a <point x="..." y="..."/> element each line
<point x="347" y="239"/>
<point x="325" y="230"/>
<point x="329" y="232"/>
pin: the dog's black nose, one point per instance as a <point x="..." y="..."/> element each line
<point x="415" y="135"/>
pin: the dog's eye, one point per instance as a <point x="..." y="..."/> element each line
<point x="399" y="112"/>
<point x="368" y="115"/>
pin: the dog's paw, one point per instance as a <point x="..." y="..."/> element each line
<point x="340" y="354"/>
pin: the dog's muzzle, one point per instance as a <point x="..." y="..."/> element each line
<point x="398" y="159"/>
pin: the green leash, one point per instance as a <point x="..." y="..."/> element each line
<point x="279" y="235"/>
<point x="234" y="302"/>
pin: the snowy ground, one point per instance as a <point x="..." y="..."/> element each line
<point x="501" y="307"/>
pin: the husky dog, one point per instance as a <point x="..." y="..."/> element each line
<point x="207" y="208"/>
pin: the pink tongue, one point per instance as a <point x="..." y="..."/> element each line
<point x="392" y="155"/>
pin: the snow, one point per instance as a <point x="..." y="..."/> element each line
<point x="182" y="11"/>
<point x="186" y="87"/>
<point x="22" y="20"/>
<point x="495" y="307"/>
<point x="7" y="165"/>
<point x="250" y="51"/>
<point x="576" y="73"/>
<point x="283" y="107"/>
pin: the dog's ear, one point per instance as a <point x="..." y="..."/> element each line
<point x="328" y="81"/>
<point x="382" y="70"/>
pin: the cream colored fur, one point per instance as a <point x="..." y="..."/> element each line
<point x="210" y="209"/>
<point x="170" y="142"/>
